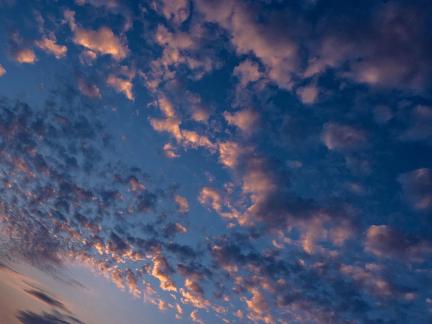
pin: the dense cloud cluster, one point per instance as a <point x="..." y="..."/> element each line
<point x="299" y="131"/>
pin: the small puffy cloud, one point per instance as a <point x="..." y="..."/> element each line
<point x="2" y="70"/>
<point x="20" y="49"/>
<point x="308" y="95"/>
<point x="383" y="241"/>
<point x="258" y="180"/>
<point x="50" y="46"/>
<point x="338" y="137"/>
<point x="180" y="48"/>
<point x="229" y="153"/>
<point x="135" y="185"/>
<point x="195" y="318"/>
<point x="194" y="139"/>
<point x="166" y="107"/>
<point x="132" y="283"/>
<point x="366" y="276"/>
<point x="247" y="71"/>
<point x="199" y="112"/>
<point x="25" y="56"/>
<point x="121" y="85"/>
<point x="162" y="305"/>
<point x="173" y="41"/>
<point x="210" y="196"/>
<point x="179" y="311"/>
<point x="277" y="50"/>
<point x="187" y="138"/>
<point x="176" y="11"/>
<point x="101" y="41"/>
<point x="258" y="307"/>
<point x="170" y="125"/>
<point x="170" y="151"/>
<point x="182" y="204"/>
<point x="244" y="119"/>
<point x="161" y="270"/>
<point x="87" y="57"/>
<point x="388" y="50"/>
<point x="88" y="89"/>
<point x="417" y="188"/>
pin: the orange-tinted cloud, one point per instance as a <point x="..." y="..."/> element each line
<point x="50" y="46"/>
<point x="101" y="41"/>
<point x="121" y="85"/>
<point x="26" y="56"/>
<point x="182" y="204"/>
<point x="88" y="89"/>
<point x="243" y="119"/>
<point x="211" y="197"/>
<point x="308" y="95"/>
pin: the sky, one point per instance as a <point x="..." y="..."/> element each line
<point x="230" y="161"/>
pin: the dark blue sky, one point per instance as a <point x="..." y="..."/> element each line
<point x="215" y="161"/>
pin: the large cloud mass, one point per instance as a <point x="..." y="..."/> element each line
<point x="222" y="161"/>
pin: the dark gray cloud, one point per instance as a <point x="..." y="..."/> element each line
<point x="29" y="317"/>
<point x="417" y="188"/>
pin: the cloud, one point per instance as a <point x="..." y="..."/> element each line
<point x="171" y="124"/>
<point x="170" y="151"/>
<point x="383" y="241"/>
<point x="291" y="242"/>
<point x="50" y="46"/>
<point x="88" y="89"/>
<point x="25" y="56"/>
<point x="199" y="112"/>
<point x="339" y="137"/>
<point x="132" y="283"/>
<point x="385" y="50"/>
<point x="176" y="11"/>
<point x="417" y="188"/>
<point x="229" y="153"/>
<point x="247" y="71"/>
<point x="195" y="318"/>
<point x="367" y="277"/>
<point x="181" y="49"/>
<point x="2" y="70"/>
<point x="121" y="85"/>
<point x="258" y="307"/>
<point x="44" y="297"/>
<point x="212" y="197"/>
<point x="21" y="50"/>
<point x="244" y="119"/>
<point x="277" y="51"/>
<point x="29" y="317"/>
<point x="182" y="204"/>
<point x="308" y="95"/>
<point x="113" y="7"/>
<point x="161" y="270"/>
<point x="166" y="107"/>
<point x="101" y="41"/>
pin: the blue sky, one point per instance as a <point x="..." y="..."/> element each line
<point x="215" y="161"/>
